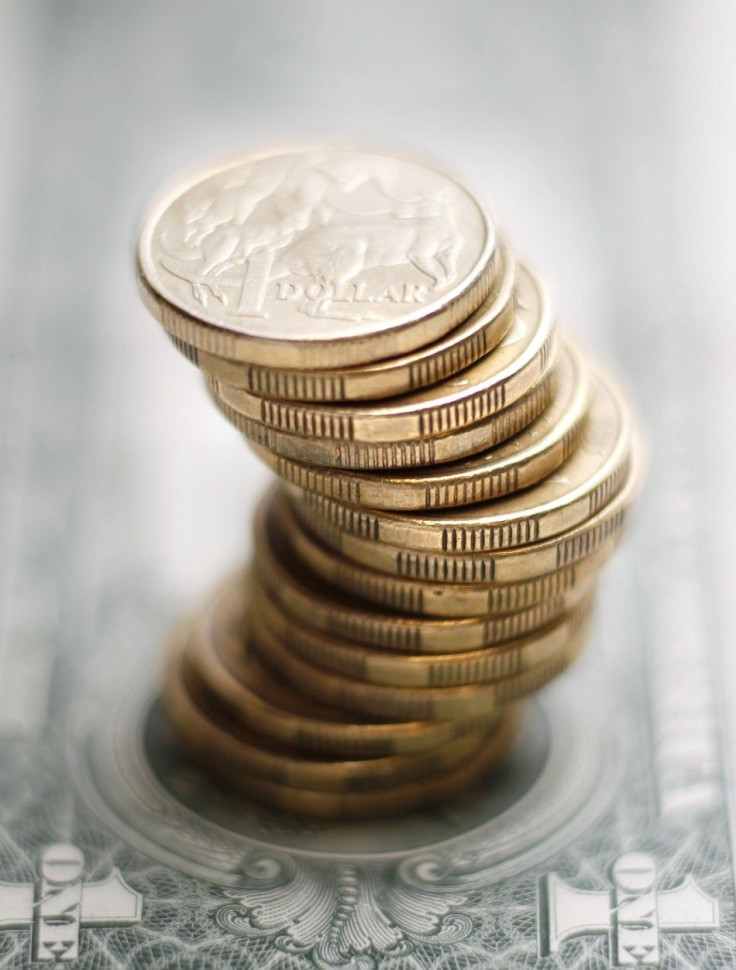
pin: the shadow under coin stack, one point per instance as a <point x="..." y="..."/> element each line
<point x="454" y="475"/>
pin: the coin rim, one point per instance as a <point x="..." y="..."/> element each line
<point x="339" y="614"/>
<point x="395" y="419"/>
<point x="420" y="594"/>
<point x="390" y="339"/>
<point x="480" y="527"/>
<point x="371" y="381"/>
<point x="356" y="739"/>
<point x="417" y="490"/>
<point x="469" y="702"/>
<point x="419" y="453"/>
<point x="502" y="566"/>
<point x="419" y="670"/>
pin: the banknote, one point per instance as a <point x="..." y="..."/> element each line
<point x="605" y="840"/>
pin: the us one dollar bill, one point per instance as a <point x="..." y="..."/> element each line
<point x="604" y="842"/>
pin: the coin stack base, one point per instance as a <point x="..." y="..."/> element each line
<point x="454" y="474"/>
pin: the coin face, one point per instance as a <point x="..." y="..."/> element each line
<point x="316" y="257"/>
<point x="494" y="382"/>
<point x="466" y="343"/>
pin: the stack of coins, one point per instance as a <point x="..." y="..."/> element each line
<point x="454" y="475"/>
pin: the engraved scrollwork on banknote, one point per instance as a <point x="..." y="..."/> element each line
<point x="339" y="916"/>
<point x="335" y="897"/>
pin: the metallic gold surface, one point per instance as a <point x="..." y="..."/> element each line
<point x="200" y="718"/>
<point x="398" y="799"/>
<point x="578" y="489"/>
<point x="468" y="342"/>
<point x="249" y="691"/>
<point x="427" y="597"/>
<point x="301" y="594"/>
<point x="473" y="702"/>
<point x="425" y="452"/>
<point x="455" y="477"/>
<point x="411" y="668"/>
<point x="235" y="260"/>
<point x="503" y="566"/>
<point x="494" y="382"/>
<point x="529" y="455"/>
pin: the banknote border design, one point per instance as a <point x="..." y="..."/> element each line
<point x="417" y="896"/>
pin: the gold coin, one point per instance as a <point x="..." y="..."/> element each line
<point x="426" y="597"/>
<point x="201" y="722"/>
<point x="589" y="478"/>
<point x="470" y="701"/>
<point x="376" y="666"/>
<point x="346" y="806"/>
<point x="505" y="566"/>
<point x="306" y="598"/>
<point x="468" y="342"/>
<point x="249" y="692"/>
<point x="316" y="257"/>
<point x="381" y="455"/>
<point x="494" y="382"/>
<point x="531" y="454"/>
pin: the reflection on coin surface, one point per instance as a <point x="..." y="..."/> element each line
<point x="319" y="257"/>
<point x="426" y="597"/>
<point x="589" y="478"/>
<point x="466" y="343"/>
<point x="474" y="702"/>
<point x="252" y="692"/>
<point x="504" y="566"/>
<point x="303" y="596"/>
<point x="489" y="386"/>
<point x="522" y="460"/>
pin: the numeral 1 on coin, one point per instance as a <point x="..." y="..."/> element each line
<point x="253" y="292"/>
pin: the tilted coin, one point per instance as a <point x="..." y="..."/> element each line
<point x="304" y="597"/>
<point x="574" y="492"/>
<point x="468" y="342"/>
<point x="531" y="454"/>
<point x="470" y="701"/>
<point x="433" y="598"/>
<point x="379" y="455"/>
<point x="315" y="257"/>
<point x="501" y="566"/>
<point x="455" y="477"/>
<point x="250" y="692"/>
<point x="200" y="720"/>
<point x="346" y="806"/>
<point x="415" y="669"/>
<point x="491" y="384"/>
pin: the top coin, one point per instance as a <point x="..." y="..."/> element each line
<point x="319" y="257"/>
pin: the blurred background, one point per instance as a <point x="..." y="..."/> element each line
<point x="602" y="134"/>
